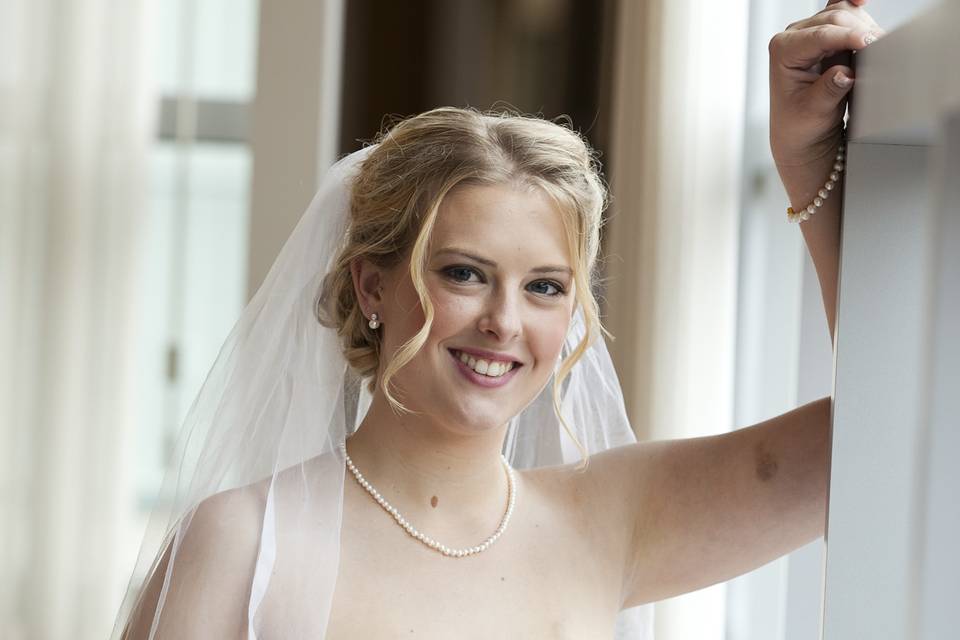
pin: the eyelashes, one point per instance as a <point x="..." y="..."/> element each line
<point x="453" y="273"/>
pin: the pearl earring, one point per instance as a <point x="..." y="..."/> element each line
<point x="374" y="321"/>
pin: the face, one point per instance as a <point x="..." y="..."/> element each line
<point x="501" y="281"/>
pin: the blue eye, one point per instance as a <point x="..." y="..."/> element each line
<point x="549" y="283"/>
<point x="462" y="274"/>
<point x="455" y="273"/>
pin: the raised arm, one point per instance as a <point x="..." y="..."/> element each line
<point x="810" y="80"/>
<point x="704" y="510"/>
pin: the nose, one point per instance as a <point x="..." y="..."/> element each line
<point x="501" y="316"/>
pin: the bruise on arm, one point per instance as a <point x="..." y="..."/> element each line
<point x="765" y="462"/>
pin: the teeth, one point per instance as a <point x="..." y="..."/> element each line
<point x="485" y="367"/>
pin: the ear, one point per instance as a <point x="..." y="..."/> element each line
<point x="368" y="285"/>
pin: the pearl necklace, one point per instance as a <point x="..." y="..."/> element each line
<point x="430" y="542"/>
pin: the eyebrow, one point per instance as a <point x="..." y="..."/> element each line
<point x="550" y="268"/>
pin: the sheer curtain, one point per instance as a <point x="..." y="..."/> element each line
<point x="672" y="253"/>
<point x="75" y="121"/>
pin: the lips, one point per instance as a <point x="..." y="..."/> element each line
<point x="483" y="354"/>
<point x="492" y="367"/>
<point x="479" y="378"/>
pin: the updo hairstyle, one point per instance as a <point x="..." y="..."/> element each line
<point x="397" y="193"/>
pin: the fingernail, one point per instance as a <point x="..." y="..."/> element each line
<point x="841" y="80"/>
<point x="869" y="38"/>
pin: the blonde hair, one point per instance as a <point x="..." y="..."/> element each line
<point x="397" y="193"/>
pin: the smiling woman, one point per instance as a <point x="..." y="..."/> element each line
<point x="516" y="198"/>
<point x="449" y="266"/>
<point x="498" y="309"/>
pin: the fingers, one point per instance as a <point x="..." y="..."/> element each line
<point x="829" y="90"/>
<point x="840" y="16"/>
<point x="802" y="48"/>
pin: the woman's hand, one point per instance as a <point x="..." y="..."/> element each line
<point x="807" y="99"/>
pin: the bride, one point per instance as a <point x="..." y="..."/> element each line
<point x="415" y="428"/>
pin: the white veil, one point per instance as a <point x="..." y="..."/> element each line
<point x="258" y="483"/>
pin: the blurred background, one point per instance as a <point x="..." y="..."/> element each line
<point x="154" y="154"/>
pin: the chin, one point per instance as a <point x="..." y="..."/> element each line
<point x="466" y="408"/>
<point x="478" y="417"/>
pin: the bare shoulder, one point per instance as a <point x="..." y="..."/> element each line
<point x="589" y="494"/>
<point x="213" y="555"/>
<point x="595" y="498"/>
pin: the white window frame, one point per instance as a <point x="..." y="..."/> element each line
<point x="893" y="521"/>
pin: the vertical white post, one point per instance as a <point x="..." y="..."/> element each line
<point x="878" y="399"/>
<point x="939" y="480"/>
<point x="296" y="119"/>
<point x="893" y="523"/>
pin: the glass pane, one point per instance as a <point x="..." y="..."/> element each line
<point x="220" y="39"/>
<point x="214" y="259"/>
<point x="154" y="321"/>
<point x="225" y="48"/>
<point x="194" y="288"/>
<point x="169" y="47"/>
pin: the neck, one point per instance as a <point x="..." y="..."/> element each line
<point x="442" y="481"/>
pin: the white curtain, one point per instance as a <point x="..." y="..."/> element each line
<point x="75" y="125"/>
<point x="672" y="241"/>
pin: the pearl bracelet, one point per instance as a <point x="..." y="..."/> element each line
<point x="824" y="193"/>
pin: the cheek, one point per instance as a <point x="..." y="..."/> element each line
<point x="454" y="312"/>
<point x="549" y="340"/>
<point x="403" y="319"/>
<point x="406" y="306"/>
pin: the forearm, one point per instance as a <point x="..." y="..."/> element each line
<point x="821" y="231"/>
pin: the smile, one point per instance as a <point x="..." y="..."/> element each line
<point x="485" y="373"/>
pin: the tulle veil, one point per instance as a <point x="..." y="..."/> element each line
<point x="259" y="474"/>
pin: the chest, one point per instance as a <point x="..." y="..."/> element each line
<point x="548" y="575"/>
